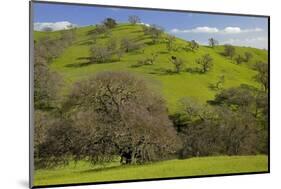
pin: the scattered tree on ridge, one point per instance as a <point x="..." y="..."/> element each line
<point x="110" y="23"/>
<point x="178" y="64"/>
<point x="205" y="62"/>
<point x="133" y="19"/>
<point x="193" y="45"/>
<point x="170" y="42"/>
<point x="213" y="42"/>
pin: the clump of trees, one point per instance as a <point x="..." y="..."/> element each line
<point x="248" y="56"/>
<point x="109" y="51"/>
<point x="243" y="58"/>
<point x="46" y="85"/>
<point x="170" y="42"/>
<point x="101" y="54"/>
<point x="103" y="28"/>
<point x="235" y="123"/>
<point x="47" y="82"/>
<point x="100" y="29"/>
<point x="133" y="19"/>
<point x="206" y="63"/>
<point x="129" y="45"/>
<point x="213" y="42"/>
<point x="46" y="88"/>
<point x="262" y="76"/>
<point x="229" y="51"/>
<point x="155" y="32"/>
<point x="109" y="23"/>
<point x="53" y="140"/>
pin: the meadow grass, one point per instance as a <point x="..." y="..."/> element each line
<point x="84" y="172"/>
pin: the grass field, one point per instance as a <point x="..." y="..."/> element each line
<point x="83" y="172"/>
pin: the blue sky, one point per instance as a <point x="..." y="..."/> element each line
<point x="236" y="30"/>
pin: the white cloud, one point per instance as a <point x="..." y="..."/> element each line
<point x="237" y="30"/>
<point x="203" y="29"/>
<point x="232" y="30"/>
<point x="257" y="42"/>
<point x="53" y="26"/>
<point x="226" y="30"/>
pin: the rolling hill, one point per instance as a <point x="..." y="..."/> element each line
<point x="74" y="64"/>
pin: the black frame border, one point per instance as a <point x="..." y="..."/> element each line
<point x="31" y="111"/>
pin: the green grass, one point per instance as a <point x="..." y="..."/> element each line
<point x="173" y="86"/>
<point x="84" y="172"/>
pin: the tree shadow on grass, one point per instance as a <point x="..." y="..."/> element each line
<point x="87" y="61"/>
<point x="163" y="52"/>
<point x="163" y="71"/>
<point x="194" y="70"/>
<point x="101" y="169"/>
<point x="86" y="43"/>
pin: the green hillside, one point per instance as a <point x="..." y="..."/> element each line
<point x="74" y="65"/>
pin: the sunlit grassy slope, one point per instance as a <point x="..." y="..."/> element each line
<point x="83" y="172"/>
<point x="72" y="65"/>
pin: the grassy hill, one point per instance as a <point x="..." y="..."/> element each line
<point x="83" y="172"/>
<point x="73" y="65"/>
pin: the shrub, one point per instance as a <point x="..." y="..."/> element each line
<point x="229" y="50"/>
<point x="205" y="62"/>
<point x="178" y="64"/>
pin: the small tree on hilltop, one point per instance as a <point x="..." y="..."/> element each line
<point x="213" y="42"/>
<point x="205" y="62"/>
<point x="110" y="23"/>
<point x="155" y="32"/>
<point x="193" y="45"/>
<point x="133" y="19"/>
